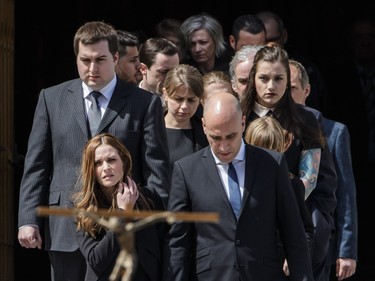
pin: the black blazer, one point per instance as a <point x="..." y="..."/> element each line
<point x="322" y="201"/>
<point x="246" y="249"/>
<point x="101" y="252"/>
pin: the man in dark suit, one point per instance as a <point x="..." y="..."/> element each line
<point x="351" y="74"/>
<point x="60" y="131"/>
<point x="243" y="248"/>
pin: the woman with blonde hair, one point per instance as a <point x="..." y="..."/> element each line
<point x="267" y="132"/>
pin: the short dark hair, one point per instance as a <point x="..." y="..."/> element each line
<point x="126" y="39"/>
<point x="249" y="23"/>
<point x="94" y="32"/>
<point x="154" y="46"/>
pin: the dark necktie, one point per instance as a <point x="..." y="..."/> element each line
<point x="269" y="113"/>
<point x="94" y="113"/>
<point x="234" y="190"/>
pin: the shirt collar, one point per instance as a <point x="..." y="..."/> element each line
<point x="107" y="91"/>
<point x="240" y="157"/>
<point x="261" y="110"/>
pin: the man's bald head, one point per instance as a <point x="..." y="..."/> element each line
<point x="223" y="124"/>
<point x="222" y="103"/>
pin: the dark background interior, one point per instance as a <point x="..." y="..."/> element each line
<point x="44" y="55"/>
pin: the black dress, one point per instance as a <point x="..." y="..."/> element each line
<point x="180" y="143"/>
<point x="183" y="142"/>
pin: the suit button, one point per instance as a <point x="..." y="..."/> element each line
<point x="237" y="242"/>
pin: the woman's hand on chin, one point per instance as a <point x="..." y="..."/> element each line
<point x="127" y="194"/>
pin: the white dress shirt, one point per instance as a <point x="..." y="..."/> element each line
<point x="238" y="163"/>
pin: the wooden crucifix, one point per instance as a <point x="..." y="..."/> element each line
<point x="127" y="258"/>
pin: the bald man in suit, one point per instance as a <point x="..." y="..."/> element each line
<point x="60" y="131"/>
<point x="243" y="247"/>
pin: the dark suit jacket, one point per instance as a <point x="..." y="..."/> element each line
<point x="346" y="237"/>
<point x="299" y="191"/>
<point x="348" y="106"/>
<point x="55" y="147"/>
<point x="200" y="137"/>
<point x="231" y="249"/>
<point x="322" y="202"/>
<point x="323" y="196"/>
<point x="101" y="253"/>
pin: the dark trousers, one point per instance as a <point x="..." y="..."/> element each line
<point x="67" y="266"/>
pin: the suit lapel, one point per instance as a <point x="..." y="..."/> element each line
<point x="213" y="174"/>
<point x="76" y="103"/>
<point x="116" y="104"/>
<point x="250" y="170"/>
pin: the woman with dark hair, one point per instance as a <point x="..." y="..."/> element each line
<point x="269" y="93"/>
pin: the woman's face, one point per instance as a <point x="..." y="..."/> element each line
<point x="202" y="46"/>
<point x="109" y="168"/>
<point x="270" y="83"/>
<point x="182" y="104"/>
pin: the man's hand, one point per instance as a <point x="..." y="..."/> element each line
<point x="29" y="237"/>
<point x="345" y="268"/>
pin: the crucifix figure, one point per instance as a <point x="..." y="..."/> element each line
<point x="126" y="224"/>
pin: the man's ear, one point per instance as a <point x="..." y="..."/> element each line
<point x="116" y="58"/>
<point x="143" y="68"/>
<point x="203" y="125"/>
<point x="232" y="42"/>
<point x="234" y="85"/>
<point x="164" y="94"/>
<point x="307" y="91"/>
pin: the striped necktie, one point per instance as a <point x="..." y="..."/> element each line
<point x="94" y="113"/>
